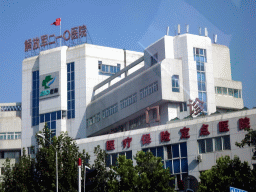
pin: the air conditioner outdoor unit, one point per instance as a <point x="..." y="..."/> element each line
<point x="199" y="157"/>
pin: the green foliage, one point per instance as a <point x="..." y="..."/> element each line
<point x="147" y="175"/>
<point x="39" y="174"/>
<point x="249" y="139"/>
<point x="228" y="172"/>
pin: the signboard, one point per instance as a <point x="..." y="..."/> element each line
<point x="76" y="36"/>
<point x="49" y="85"/>
<point x="232" y="189"/>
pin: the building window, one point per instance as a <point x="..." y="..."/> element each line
<point x="31" y="150"/>
<point x="220" y="143"/>
<point x="10" y="135"/>
<point x="111" y="159"/>
<point x="109" y="111"/>
<point x="108" y="69"/>
<point x="154" y="59"/>
<point x="175" y="83"/>
<point x="10" y="108"/>
<point x="50" y="119"/>
<point x="71" y="90"/>
<point x="231" y="92"/>
<point x="201" y="59"/>
<point x="137" y="122"/>
<point x="92" y="120"/>
<point x="35" y="98"/>
<point x="128" y="101"/>
<point x="148" y="90"/>
<point x="183" y="106"/>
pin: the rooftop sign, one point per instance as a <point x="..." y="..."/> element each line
<point x="74" y="37"/>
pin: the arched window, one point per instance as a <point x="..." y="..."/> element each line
<point x="175" y="83"/>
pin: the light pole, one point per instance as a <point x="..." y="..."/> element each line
<point x="42" y="136"/>
<point x="85" y="167"/>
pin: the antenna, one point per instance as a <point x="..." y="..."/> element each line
<point x="178" y="29"/>
<point x="205" y="32"/>
<point x="215" y="38"/>
<point x="200" y="31"/>
<point x="167" y="31"/>
<point x="187" y="28"/>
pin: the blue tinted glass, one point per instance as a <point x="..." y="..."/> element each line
<point x="198" y="76"/>
<point x="34" y="112"/>
<point x="111" y="69"/>
<point x="115" y="69"/>
<point x="160" y="152"/>
<point x="202" y="66"/>
<point x="103" y="68"/>
<point x="201" y="58"/>
<point x="183" y="149"/>
<point x="175" y="150"/>
<point x="48" y="125"/>
<point x="34" y="75"/>
<point x="72" y="76"/>
<point x="72" y="85"/>
<point x="114" y="159"/>
<point x="68" y="67"/>
<point x="145" y="150"/>
<point x="205" y="106"/>
<point x="153" y="151"/>
<point x="201" y="51"/>
<point x="69" y="105"/>
<point x="53" y="125"/>
<point x="129" y="155"/>
<point x="34" y="94"/>
<point x="169" y="164"/>
<point x="34" y="84"/>
<point x="73" y="104"/>
<point x="201" y="146"/>
<point x="69" y="84"/>
<point x="58" y="114"/>
<point x="34" y="102"/>
<point x="72" y="67"/>
<point x="198" y="66"/>
<point x="176" y="165"/>
<point x="184" y="165"/>
<point x="53" y="116"/>
<point x="204" y="97"/>
<point x="69" y="114"/>
<point x="203" y="77"/>
<point x="108" y="160"/>
<point x="41" y="118"/>
<point x="69" y="93"/>
<point x="73" y="113"/>
<point x="197" y="58"/>
<point x="203" y="87"/>
<point x="72" y="95"/>
<point x="37" y="120"/>
<point x="68" y="76"/>
<point x="199" y="86"/>
<point x="200" y="96"/>
<point x="173" y="82"/>
<point x="47" y="117"/>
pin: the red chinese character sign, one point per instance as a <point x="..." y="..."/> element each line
<point x="165" y="136"/>
<point x="127" y="142"/>
<point x="78" y="35"/>
<point x="146" y="139"/>
<point x="184" y="133"/>
<point x="110" y="145"/>
<point x="244" y="123"/>
<point x="197" y="105"/>
<point x="204" y="130"/>
<point x="223" y="126"/>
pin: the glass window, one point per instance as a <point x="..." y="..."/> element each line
<point x="53" y="116"/>
<point x="176" y="166"/>
<point x="209" y="145"/>
<point x="47" y="117"/>
<point x="226" y="142"/>
<point x="160" y="152"/>
<point x="201" y="146"/>
<point x="218" y="144"/>
<point x="114" y="158"/>
<point x="129" y="155"/>
<point x="184" y="165"/>
<point x="168" y="164"/>
<point x="153" y="151"/>
<point x="169" y="152"/>
<point x="230" y="92"/>
<point x="181" y="107"/>
<point x="175" y="150"/>
<point x="183" y="149"/>
<point x="225" y="91"/>
<point x="58" y="115"/>
<point x="41" y="118"/>
<point x="236" y="93"/>
<point x="175" y="83"/>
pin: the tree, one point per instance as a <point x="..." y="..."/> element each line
<point x="147" y="175"/>
<point x="39" y="174"/>
<point x="249" y="139"/>
<point x="228" y="172"/>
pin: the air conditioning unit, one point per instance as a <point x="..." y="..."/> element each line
<point x="199" y="157"/>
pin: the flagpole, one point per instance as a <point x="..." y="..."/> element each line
<point x="60" y="33"/>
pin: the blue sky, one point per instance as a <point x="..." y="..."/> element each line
<point x="131" y="25"/>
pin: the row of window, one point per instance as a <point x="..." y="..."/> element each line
<point x="11" y="108"/>
<point x="111" y="159"/>
<point x="10" y="135"/>
<point x="71" y="90"/>
<point x="128" y="101"/>
<point x="93" y="119"/>
<point x="200" y="55"/>
<point x="228" y="91"/>
<point x="109" y="68"/>
<point x="214" y="144"/>
<point x="110" y="111"/>
<point x="35" y="98"/>
<point x="50" y="119"/>
<point x="149" y="90"/>
<point x="9" y="154"/>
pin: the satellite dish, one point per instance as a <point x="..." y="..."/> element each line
<point x="190" y="183"/>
